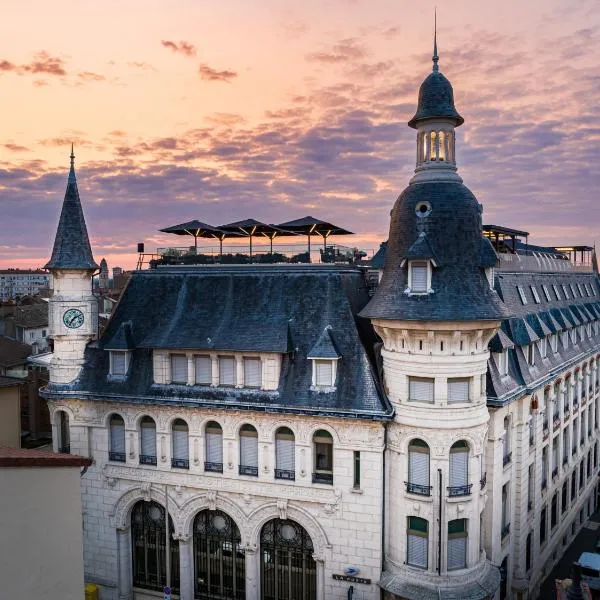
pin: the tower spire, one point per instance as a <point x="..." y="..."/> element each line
<point x="72" y="169"/>
<point x="435" y="56"/>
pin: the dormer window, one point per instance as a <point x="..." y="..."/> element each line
<point x="119" y="363"/>
<point x="324" y="356"/>
<point x="324" y="373"/>
<point x="418" y="276"/>
<point x="501" y="359"/>
<point x="522" y="295"/>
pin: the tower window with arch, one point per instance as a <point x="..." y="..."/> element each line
<point x="116" y="451"/>
<point x="180" y="458"/>
<point x="457" y="544"/>
<point x="459" y="470"/>
<point x="323" y="457"/>
<point x="147" y="441"/>
<point x="64" y="436"/>
<point x="418" y="468"/>
<point x="285" y="454"/>
<point x="214" y="447"/>
<point x="417" y="542"/>
<point x="248" y="451"/>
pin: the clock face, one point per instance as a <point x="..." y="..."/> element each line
<point x="73" y="318"/>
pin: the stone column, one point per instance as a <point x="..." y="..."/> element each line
<point x="320" y="560"/>
<point x="124" y="555"/>
<point x="186" y="567"/>
<point x="252" y="572"/>
<point x="191" y="371"/>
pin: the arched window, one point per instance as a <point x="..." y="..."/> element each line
<point x="181" y="448"/>
<point x="459" y="470"/>
<point x="433" y="146"/>
<point x="148" y="532"/>
<point x="214" y="447"/>
<point x="417" y="542"/>
<point x="285" y="454"/>
<point x="457" y="544"/>
<point x="424" y="146"/>
<point x="64" y="437"/>
<point x="323" y="457"/>
<point x="219" y="562"/>
<point x="442" y="143"/>
<point x="248" y="451"/>
<point x="288" y="569"/>
<point x="117" y="439"/>
<point x="418" y="468"/>
<point x="147" y="441"/>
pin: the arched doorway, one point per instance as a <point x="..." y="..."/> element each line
<point x="288" y="570"/>
<point x="149" y="548"/>
<point x="219" y="561"/>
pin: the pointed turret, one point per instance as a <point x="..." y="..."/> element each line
<point x="72" y="246"/>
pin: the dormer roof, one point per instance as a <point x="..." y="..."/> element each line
<point x="324" y="347"/>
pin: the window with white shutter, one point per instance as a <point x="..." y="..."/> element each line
<point x="323" y="373"/>
<point x="181" y="448"/>
<point x="252" y="373"/>
<point x="203" y="366"/>
<point x="417" y="542"/>
<point x="458" y="389"/>
<point x="285" y="454"/>
<point x="418" y="468"/>
<point x="227" y="370"/>
<point x="457" y="544"/>
<point x="147" y="441"/>
<point x="420" y="389"/>
<point x="248" y="451"/>
<point x="117" y="439"/>
<point x="213" y="447"/>
<point x="118" y="363"/>
<point x="178" y="368"/>
<point x="459" y="470"/>
<point x="418" y="277"/>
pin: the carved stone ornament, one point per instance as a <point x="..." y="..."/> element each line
<point x="282" y="508"/>
<point x="179" y="490"/>
<point x="211" y="499"/>
<point x="335" y="505"/>
<point x="145" y="491"/>
<point x="111" y="482"/>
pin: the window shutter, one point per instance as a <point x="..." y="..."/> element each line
<point x="249" y="450"/>
<point x="418" y="278"/>
<point x="285" y="451"/>
<point x="118" y="363"/>
<point x="418" y="465"/>
<point x="324" y="374"/>
<point x="117" y="437"/>
<point x="148" y="439"/>
<point x="179" y="368"/>
<point x="180" y="444"/>
<point x="457" y="553"/>
<point x="227" y="370"/>
<point x="214" y="447"/>
<point x="458" y="390"/>
<point x="421" y="390"/>
<point x="203" y="370"/>
<point x="459" y="468"/>
<point x="252" y="372"/>
<point x="417" y="550"/>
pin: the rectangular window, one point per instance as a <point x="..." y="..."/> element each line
<point x="356" y="469"/>
<point x="535" y="294"/>
<point x="457" y="544"/>
<point x="417" y="542"/>
<point x="580" y="288"/>
<point x="542" y="347"/>
<point x="546" y="293"/>
<point x="252" y="372"/>
<point x="118" y="363"/>
<point x="459" y="467"/>
<point x="178" y="368"/>
<point x="420" y="389"/>
<point x="501" y="359"/>
<point x="573" y="290"/>
<point x="556" y="291"/>
<point x="522" y="294"/>
<point x="227" y="370"/>
<point x="203" y="370"/>
<point x="458" y="390"/>
<point x="554" y="342"/>
<point x="529" y="354"/>
<point x="565" y="291"/>
<point x="323" y="373"/>
<point x="418" y="277"/>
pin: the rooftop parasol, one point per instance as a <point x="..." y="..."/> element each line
<point x="199" y="229"/>
<point x="252" y="227"/>
<point x="311" y="226"/>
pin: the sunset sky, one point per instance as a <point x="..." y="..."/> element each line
<point x="276" y="109"/>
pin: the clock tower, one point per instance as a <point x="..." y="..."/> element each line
<point x="73" y="311"/>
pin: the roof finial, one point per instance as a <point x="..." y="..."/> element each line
<point x="435" y="56"/>
<point x="72" y="157"/>
<point x="72" y="170"/>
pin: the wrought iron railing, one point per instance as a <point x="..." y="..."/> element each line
<point x="285" y="474"/>
<point x="213" y="467"/>
<point x="459" y="490"/>
<point x="117" y="456"/>
<point x="147" y="459"/>
<point x="180" y="463"/>
<point x="417" y="488"/>
<point x="506" y="459"/>
<point x="247" y="470"/>
<point x="323" y="478"/>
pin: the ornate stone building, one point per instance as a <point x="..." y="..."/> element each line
<point x="275" y="433"/>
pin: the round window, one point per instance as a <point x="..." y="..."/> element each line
<point x="155" y="513"/>
<point x="423" y="209"/>
<point x="287" y="532"/>
<point x="219" y="522"/>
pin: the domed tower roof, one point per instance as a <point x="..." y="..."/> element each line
<point x="436" y="96"/>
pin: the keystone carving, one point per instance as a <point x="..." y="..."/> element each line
<point x="282" y="508"/>
<point x="211" y="499"/>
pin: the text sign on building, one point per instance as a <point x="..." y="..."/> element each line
<point x="351" y="579"/>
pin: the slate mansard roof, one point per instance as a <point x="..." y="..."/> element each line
<point x="533" y="321"/>
<point x="285" y="310"/>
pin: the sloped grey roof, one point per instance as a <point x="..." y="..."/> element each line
<point x="436" y="99"/>
<point x="489" y="258"/>
<point x="421" y="249"/>
<point x="122" y="339"/>
<point x="32" y="315"/>
<point x="325" y="346"/>
<point x="71" y="246"/>
<point x="500" y="342"/>
<point x="13" y="353"/>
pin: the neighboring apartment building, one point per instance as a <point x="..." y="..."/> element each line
<point x="303" y="436"/>
<point x="29" y="324"/>
<point x="10" y="412"/>
<point x="22" y="282"/>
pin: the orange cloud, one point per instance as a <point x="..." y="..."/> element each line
<point x="209" y="74"/>
<point x="182" y="47"/>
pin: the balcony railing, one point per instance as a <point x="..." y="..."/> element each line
<point x="213" y="467"/>
<point x="251" y="471"/>
<point x="65" y="449"/>
<point x="505" y="530"/>
<point x="506" y="459"/>
<point x="459" y="490"/>
<point x="417" y="488"/>
<point x="566" y="414"/>
<point x="147" y="459"/>
<point x="323" y="478"/>
<point x="116" y="456"/>
<point x="285" y="474"/>
<point x="180" y="463"/>
<point x="483" y="481"/>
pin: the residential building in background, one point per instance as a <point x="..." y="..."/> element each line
<point x="22" y="282"/>
<point x="10" y="411"/>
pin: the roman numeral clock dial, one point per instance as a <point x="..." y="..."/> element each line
<point x="73" y="318"/>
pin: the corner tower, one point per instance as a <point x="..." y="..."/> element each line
<point x="73" y="314"/>
<point x="436" y="311"/>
